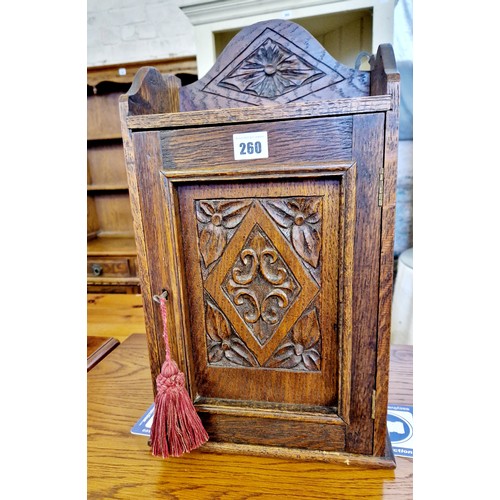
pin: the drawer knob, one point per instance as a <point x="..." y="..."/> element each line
<point x="96" y="269"/>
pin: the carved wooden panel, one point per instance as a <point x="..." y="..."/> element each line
<point x="256" y="286"/>
<point x="265" y="316"/>
<point x="270" y="68"/>
<point x="279" y="63"/>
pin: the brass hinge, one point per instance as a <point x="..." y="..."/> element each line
<point x="381" y="188"/>
<point x="374" y="395"/>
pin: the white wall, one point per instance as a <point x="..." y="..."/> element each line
<point x="120" y="31"/>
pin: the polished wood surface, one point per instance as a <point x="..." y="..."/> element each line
<point x="98" y="348"/>
<point x="109" y="219"/>
<point x="206" y="230"/>
<point x="120" y="464"/>
<point x="125" y="72"/>
<point x="114" y="315"/>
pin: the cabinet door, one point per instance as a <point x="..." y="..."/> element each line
<point x="267" y="278"/>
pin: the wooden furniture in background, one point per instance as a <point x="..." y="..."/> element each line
<point x="279" y="267"/>
<point x="111" y="250"/>
<point x="120" y="465"/>
<point x="98" y="348"/>
<point x="114" y="315"/>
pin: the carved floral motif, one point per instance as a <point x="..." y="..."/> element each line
<point x="260" y="285"/>
<point x="255" y="293"/>
<point x="301" y="350"/>
<point x="271" y="71"/>
<point x="303" y="216"/>
<point x="217" y="217"/>
<point x="224" y="347"/>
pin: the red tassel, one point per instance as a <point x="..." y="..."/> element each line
<point x="176" y="427"/>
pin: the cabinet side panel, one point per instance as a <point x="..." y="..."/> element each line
<point x="159" y="269"/>
<point x="368" y="143"/>
<point x="386" y="269"/>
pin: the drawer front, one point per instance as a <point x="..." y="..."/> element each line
<point x="109" y="267"/>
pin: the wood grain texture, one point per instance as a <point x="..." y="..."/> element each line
<point x="103" y="120"/>
<point x="385" y="80"/>
<point x="135" y="178"/>
<point x="105" y="269"/>
<point x="114" y="315"/>
<point x="268" y="385"/>
<point x="234" y="380"/>
<point x="282" y="433"/>
<point x="152" y="92"/>
<point x="113" y="213"/>
<point x="117" y="246"/>
<point x="159" y="259"/>
<point x="369" y="104"/>
<point x="108" y="202"/>
<point x="115" y="287"/>
<point x="401" y="375"/>
<point x="120" y="465"/>
<point x="110" y="72"/>
<point x="110" y="266"/>
<point x="273" y="61"/>
<point x="106" y="163"/>
<point x="320" y="139"/>
<point x="368" y="152"/>
<point x="92" y="220"/>
<point x="98" y="348"/>
<point x="208" y="224"/>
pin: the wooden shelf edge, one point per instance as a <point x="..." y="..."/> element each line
<point x="129" y="280"/>
<point x="111" y="137"/>
<point x="102" y="245"/>
<point x="107" y="187"/>
<point x="109" y="72"/>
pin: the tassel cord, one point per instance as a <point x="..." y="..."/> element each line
<point x="163" y="308"/>
<point x="176" y="427"/>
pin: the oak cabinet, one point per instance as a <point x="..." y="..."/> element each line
<point x="263" y="203"/>
<point x="111" y="249"/>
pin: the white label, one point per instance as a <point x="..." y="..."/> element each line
<point x="250" y="146"/>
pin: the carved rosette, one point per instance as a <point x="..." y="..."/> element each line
<point x="271" y="71"/>
<point x="254" y="302"/>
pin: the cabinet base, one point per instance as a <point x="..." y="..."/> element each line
<point x="350" y="459"/>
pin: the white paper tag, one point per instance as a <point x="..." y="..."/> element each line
<point x="250" y="146"/>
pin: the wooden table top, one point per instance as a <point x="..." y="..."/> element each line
<point x="120" y="464"/>
<point x="115" y="315"/>
<point x="98" y="348"/>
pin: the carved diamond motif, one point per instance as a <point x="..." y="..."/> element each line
<point x="271" y="71"/>
<point x="261" y="291"/>
<point x="272" y="68"/>
<point x="260" y="285"/>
